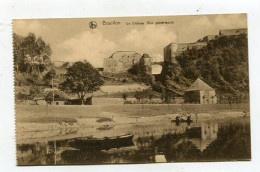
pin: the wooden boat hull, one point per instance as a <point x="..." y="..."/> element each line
<point x="182" y="120"/>
<point x="102" y="143"/>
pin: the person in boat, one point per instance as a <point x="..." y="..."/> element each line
<point x="177" y="119"/>
<point x="189" y="118"/>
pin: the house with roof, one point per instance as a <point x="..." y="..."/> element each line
<point x="201" y="93"/>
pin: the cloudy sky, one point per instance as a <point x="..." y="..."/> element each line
<point x="73" y="39"/>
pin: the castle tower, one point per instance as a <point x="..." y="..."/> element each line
<point x="147" y="62"/>
<point x="170" y="53"/>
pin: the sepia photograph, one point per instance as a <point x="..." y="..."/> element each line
<point x="131" y="90"/>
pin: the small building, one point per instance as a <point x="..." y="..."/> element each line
<point x="39" y="101"/>
<point x="60" y="98"/>
<point x="201" y="93"/>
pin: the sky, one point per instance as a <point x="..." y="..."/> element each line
<point x="73" y="40"/>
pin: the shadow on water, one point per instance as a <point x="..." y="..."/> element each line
<point x="182" y="142"/>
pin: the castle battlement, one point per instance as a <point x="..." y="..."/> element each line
<point x="172" y="50"/>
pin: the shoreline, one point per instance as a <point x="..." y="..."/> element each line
<point x="38" y="125"/>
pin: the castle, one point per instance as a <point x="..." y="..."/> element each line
<point x="172" y="50"/>
<point x="121" y="61"/>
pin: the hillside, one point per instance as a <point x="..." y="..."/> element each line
<point x="223" y="64"/>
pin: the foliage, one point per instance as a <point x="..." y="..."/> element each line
<point x="81" y="78"/>
<point x="146" y="94"/>
<point x="223" y="64"/>
<point x="49" y="76"/>
<point x="140" y="71"/>
<point x="22" y="96"/>
<point x="26" y="49"/>
<point x="138" y="95"/>
<point x="65" y="65"/>
<point x="58" y="96"/>
<point x="34" y="91"/>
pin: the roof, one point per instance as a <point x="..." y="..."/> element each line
<point x="38" y="98"/>
<point x="58" y="96"/>
<point x="199" y="85"/>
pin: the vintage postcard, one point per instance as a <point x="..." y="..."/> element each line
<point x="157" y="89"/>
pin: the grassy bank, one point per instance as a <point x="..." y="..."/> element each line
<point x="38" y="113"/>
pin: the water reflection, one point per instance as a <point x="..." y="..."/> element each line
<point x="208" y="141"/>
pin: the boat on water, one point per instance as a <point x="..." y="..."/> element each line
<point x="102" y="143"/>
<point x="182" y="120"/>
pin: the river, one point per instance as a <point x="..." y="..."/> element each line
<point x="212" y="140"/>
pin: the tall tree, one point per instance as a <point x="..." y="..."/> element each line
<point x="29" y="47"/>
<point x="81" y="78"/>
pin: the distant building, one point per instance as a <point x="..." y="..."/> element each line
<point x="173" y="50"/>
<point x="201" y="93"/>
<point x="121" y="61"/>
<point x="229" y="32"/>
<point x="39" y="101"/>
<point x="60" y="98"/>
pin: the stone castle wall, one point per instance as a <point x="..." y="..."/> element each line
<point x="121" y="61"/>
<point x="173" y="50"/>
<point x="229" y="32"/>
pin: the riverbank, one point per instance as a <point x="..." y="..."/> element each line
<point x="38" y="122"/>
<point x="65" y="113"/>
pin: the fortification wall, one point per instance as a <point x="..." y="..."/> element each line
<point x="121" y="61"/>
<point x="229" y="32"/>
<point x="109" y="65"/>
<point x="173" y="50"/>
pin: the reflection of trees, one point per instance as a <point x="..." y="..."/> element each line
<point x="83" y="157"/>
<point x="167" y="144"/>
<point x="233" y="143"/>
<point x="31" y="154"/>
<point x="185" y="151"/>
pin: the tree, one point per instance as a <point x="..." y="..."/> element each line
<point x="138" y="96"/>
<point x="30" y="49"/>
<point x="34" y="91"/>
<point x="124" y="96"/>
<point x="49" y="76"/>
<point x="151" y="97"/>
<point x="81" y="78"/>
<point x="65" y="65"/>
